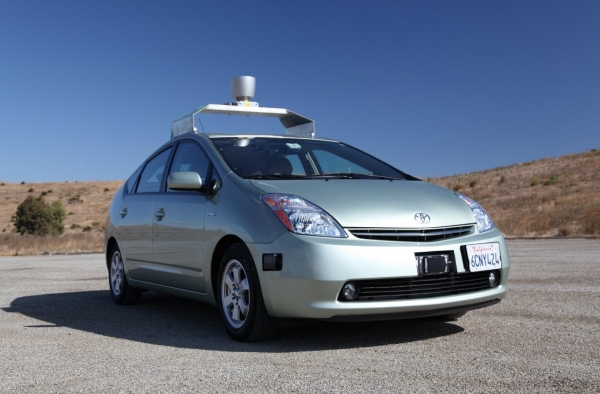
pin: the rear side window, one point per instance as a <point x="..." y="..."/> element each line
<point x="154" y="172"/>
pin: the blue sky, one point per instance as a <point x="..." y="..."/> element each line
<point x="88" y="89"/>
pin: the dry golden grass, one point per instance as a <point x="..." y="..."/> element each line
<point x="88" y="211"/>
<point x="548" y="197"/>
<point x="71" y="243"/>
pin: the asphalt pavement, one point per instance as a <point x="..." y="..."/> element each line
<point x="60" y="332"/>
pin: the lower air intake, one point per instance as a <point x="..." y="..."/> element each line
<point x="422" y="286"/>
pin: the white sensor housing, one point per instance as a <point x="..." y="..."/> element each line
<point x="243" y="88"/>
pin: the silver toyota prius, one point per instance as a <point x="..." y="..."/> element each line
<point x="283" y="228"/>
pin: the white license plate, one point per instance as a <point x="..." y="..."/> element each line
<point x="484" y="257"/>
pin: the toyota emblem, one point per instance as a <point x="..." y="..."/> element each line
<point x="422" y="217"/>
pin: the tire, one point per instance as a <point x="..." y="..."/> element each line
<point x="240" y="299"/>
<point x="121" y="292"/>
<point x="451" y="316"/>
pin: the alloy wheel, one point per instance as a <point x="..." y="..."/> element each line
<point x="116" y="273"/>
<point x="235" y="294"/>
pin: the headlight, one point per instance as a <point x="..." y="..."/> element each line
<point x="303" y="217"/>
<point x="484" y="221"/>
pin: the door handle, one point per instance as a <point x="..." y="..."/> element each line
<point x="123" y="212"/>
<point x="160" y="214"/>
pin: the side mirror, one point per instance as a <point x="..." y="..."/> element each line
<point x="186" y="180"/>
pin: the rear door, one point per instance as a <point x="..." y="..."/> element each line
<point x="178" y="228"/>
<point x="137" y="216"/>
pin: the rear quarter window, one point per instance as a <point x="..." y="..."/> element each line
<point x="131" y="182"/>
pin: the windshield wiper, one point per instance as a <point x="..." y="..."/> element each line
<point x="332" y="175"/>
<point x="275" y="176"/>
<point x="355" y="175"/>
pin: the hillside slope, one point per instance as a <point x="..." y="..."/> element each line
<point x="548" y="197"/>
<point x="86" y="204"/>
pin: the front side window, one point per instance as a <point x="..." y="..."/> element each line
<point x="153" y="174"/>
<point x="294" y="158"/>
<point x="190" y="157"/>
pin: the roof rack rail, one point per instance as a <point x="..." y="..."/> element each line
<point x="242" y="90"/>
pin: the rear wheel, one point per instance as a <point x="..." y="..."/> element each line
<point x="121" y="292"/>
<point x="240" y="297"/>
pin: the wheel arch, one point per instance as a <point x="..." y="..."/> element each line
<point x="109" y="245"/>
<point x="217" y="255"/>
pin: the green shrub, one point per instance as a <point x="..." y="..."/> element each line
<point x="106" y="189"/>
<point x="35" y="216"/>
<point x="49" y="191"/>
<point x="535" y="181"/>
<point x="457" y="187"/>
<point x="95" y="224"/>
<point x="2" y="184"/>
<point x="473" y="183"/>
<point x="75" y="225"/>
<point x="87" y="228"/>
<point x="75" y="199"/>
<point x="71" y="213"/>
<point x="44" y="193"/>
<point x="30" y="190"/>
<point x="502" y="179"/>
<point x="23" y="182"/>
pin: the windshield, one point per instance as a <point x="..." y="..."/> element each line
<point x="294" y="158"/>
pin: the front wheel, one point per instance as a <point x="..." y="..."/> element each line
<point x="121" y="292"/>
<point x="240" y="297"/>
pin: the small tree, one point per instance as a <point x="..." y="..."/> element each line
<point x="36" y="216"/>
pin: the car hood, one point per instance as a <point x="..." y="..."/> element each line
<point x="376" y="203"/>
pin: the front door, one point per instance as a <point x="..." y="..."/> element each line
<point x="136" y="218"/>
<point x="178" y="229"/>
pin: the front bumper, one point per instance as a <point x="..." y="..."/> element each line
<point x="315" y="269"/>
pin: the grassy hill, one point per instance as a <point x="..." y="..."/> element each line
<point x="548" y="197"/>
<point x="86" y="204"/>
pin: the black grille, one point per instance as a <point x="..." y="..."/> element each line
<point x="412" y="235"/>
<point x="422" y="286"/>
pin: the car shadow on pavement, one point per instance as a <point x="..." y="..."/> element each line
<point x="171" y="321"/>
